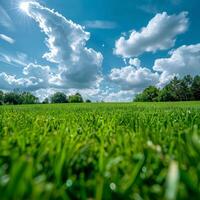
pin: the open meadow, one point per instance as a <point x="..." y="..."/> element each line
<point x="100" y="151"/>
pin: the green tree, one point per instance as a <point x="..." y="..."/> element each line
<point x="177" y="90"/>
<point x="88" y="101"/>
<point x="185" y="89"/>
<point x="77" y="98"/>
<point x="195" y="88"/>
<point x="185" y="93"/>
<point x="166" y="95"/>
<point x="45" y="101"/>
<point x="59" y="97"/>
<point x="28" y="98"/>
<point x="150" y="94"/>
<point x="139" y="97"/>
<point x="1" y="97"/>
<point x="12" y="98"/>
<point x="172" y="91"/>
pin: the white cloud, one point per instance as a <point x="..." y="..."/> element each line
<point x="99" y="24"/>
<point x="159" y="34"/>
<point x="9" y="82"/>
<point x="135" y="62"/>
<point x="46" y="93"/>
<point x="78" y="66"/>
<point x="7" y="38"/>
<point x="182" y="61"/>
<point x="5" y="19"/>
<point x="119" y="96"/>
<point x="108" y="94"/>
<point x="133" y="78"/>
<point x="34" y="77"/>
<point x="92" y="94"/>
<point x="40" y="76"/>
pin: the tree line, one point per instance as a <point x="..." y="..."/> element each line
<point x="185" y="89"/>
<point x="16" y="98"/>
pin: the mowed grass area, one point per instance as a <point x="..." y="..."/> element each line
<point x="100" y="151"/>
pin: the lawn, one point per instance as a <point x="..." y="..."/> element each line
<point x="100" y="151"/>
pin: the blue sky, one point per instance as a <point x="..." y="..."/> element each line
<point x="106" y="49"/>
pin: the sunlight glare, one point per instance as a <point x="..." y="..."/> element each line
<point x="24" y="6"/>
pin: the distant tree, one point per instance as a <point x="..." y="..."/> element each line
<point x="12" y="98"/>
<point x="166" y="95"/>
<point x="77" y="98"/>
<point x="59" y="97"/>
<point x="172" y="91"/>
<point x="195" y="88"/>
<point x="139" y="97"/>
<point x="177" y="90"/>
<point x="1" y="97"/>
<point x="45" y="101"/>
<point x="88" y="101"/>
<point x="150" y="94"/>
<point x="186" y="91"/>
<point x="28" y="98"/>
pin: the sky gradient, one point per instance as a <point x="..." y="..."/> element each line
<point x="105" y="49"/>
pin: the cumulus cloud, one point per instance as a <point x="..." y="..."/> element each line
<point x="133" y="78"/>
<point x="40" y="76"/>
<point x="135" y="62"/>
<point x="107" y="94"/>
<point x="159" y="34"/>
<point x="7" y="38"/>
<point x="182" y="61"/>
<point x="95" y="95"/>
<point x="34" y="77"/>
<point x="99" y="24"/>
<point x="119" y="96"/>
<point x="78" y="66"/>
<point x="9" y="82"/>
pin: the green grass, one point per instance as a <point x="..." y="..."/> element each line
<point x="100" y="151"/>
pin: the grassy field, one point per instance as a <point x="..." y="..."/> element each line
<point x="100" y="151"/>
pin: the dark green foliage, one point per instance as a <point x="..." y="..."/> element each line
<point x="77" y="98"/>
<point x="88" y="101"/>
<point x="28" y="98"/>
<point x="196" y="88"/>
<point x="15" y="98"/>
<point x="45" y="101"/>
<point x="177" y="90"/>
<point x="150" y="94"/>
<point x="1" y="97"/>
<point x="148" y="151"/>
<point x="59" y="97"/>
<point x="12" y="98"/>
<point x="185" y="89"/>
